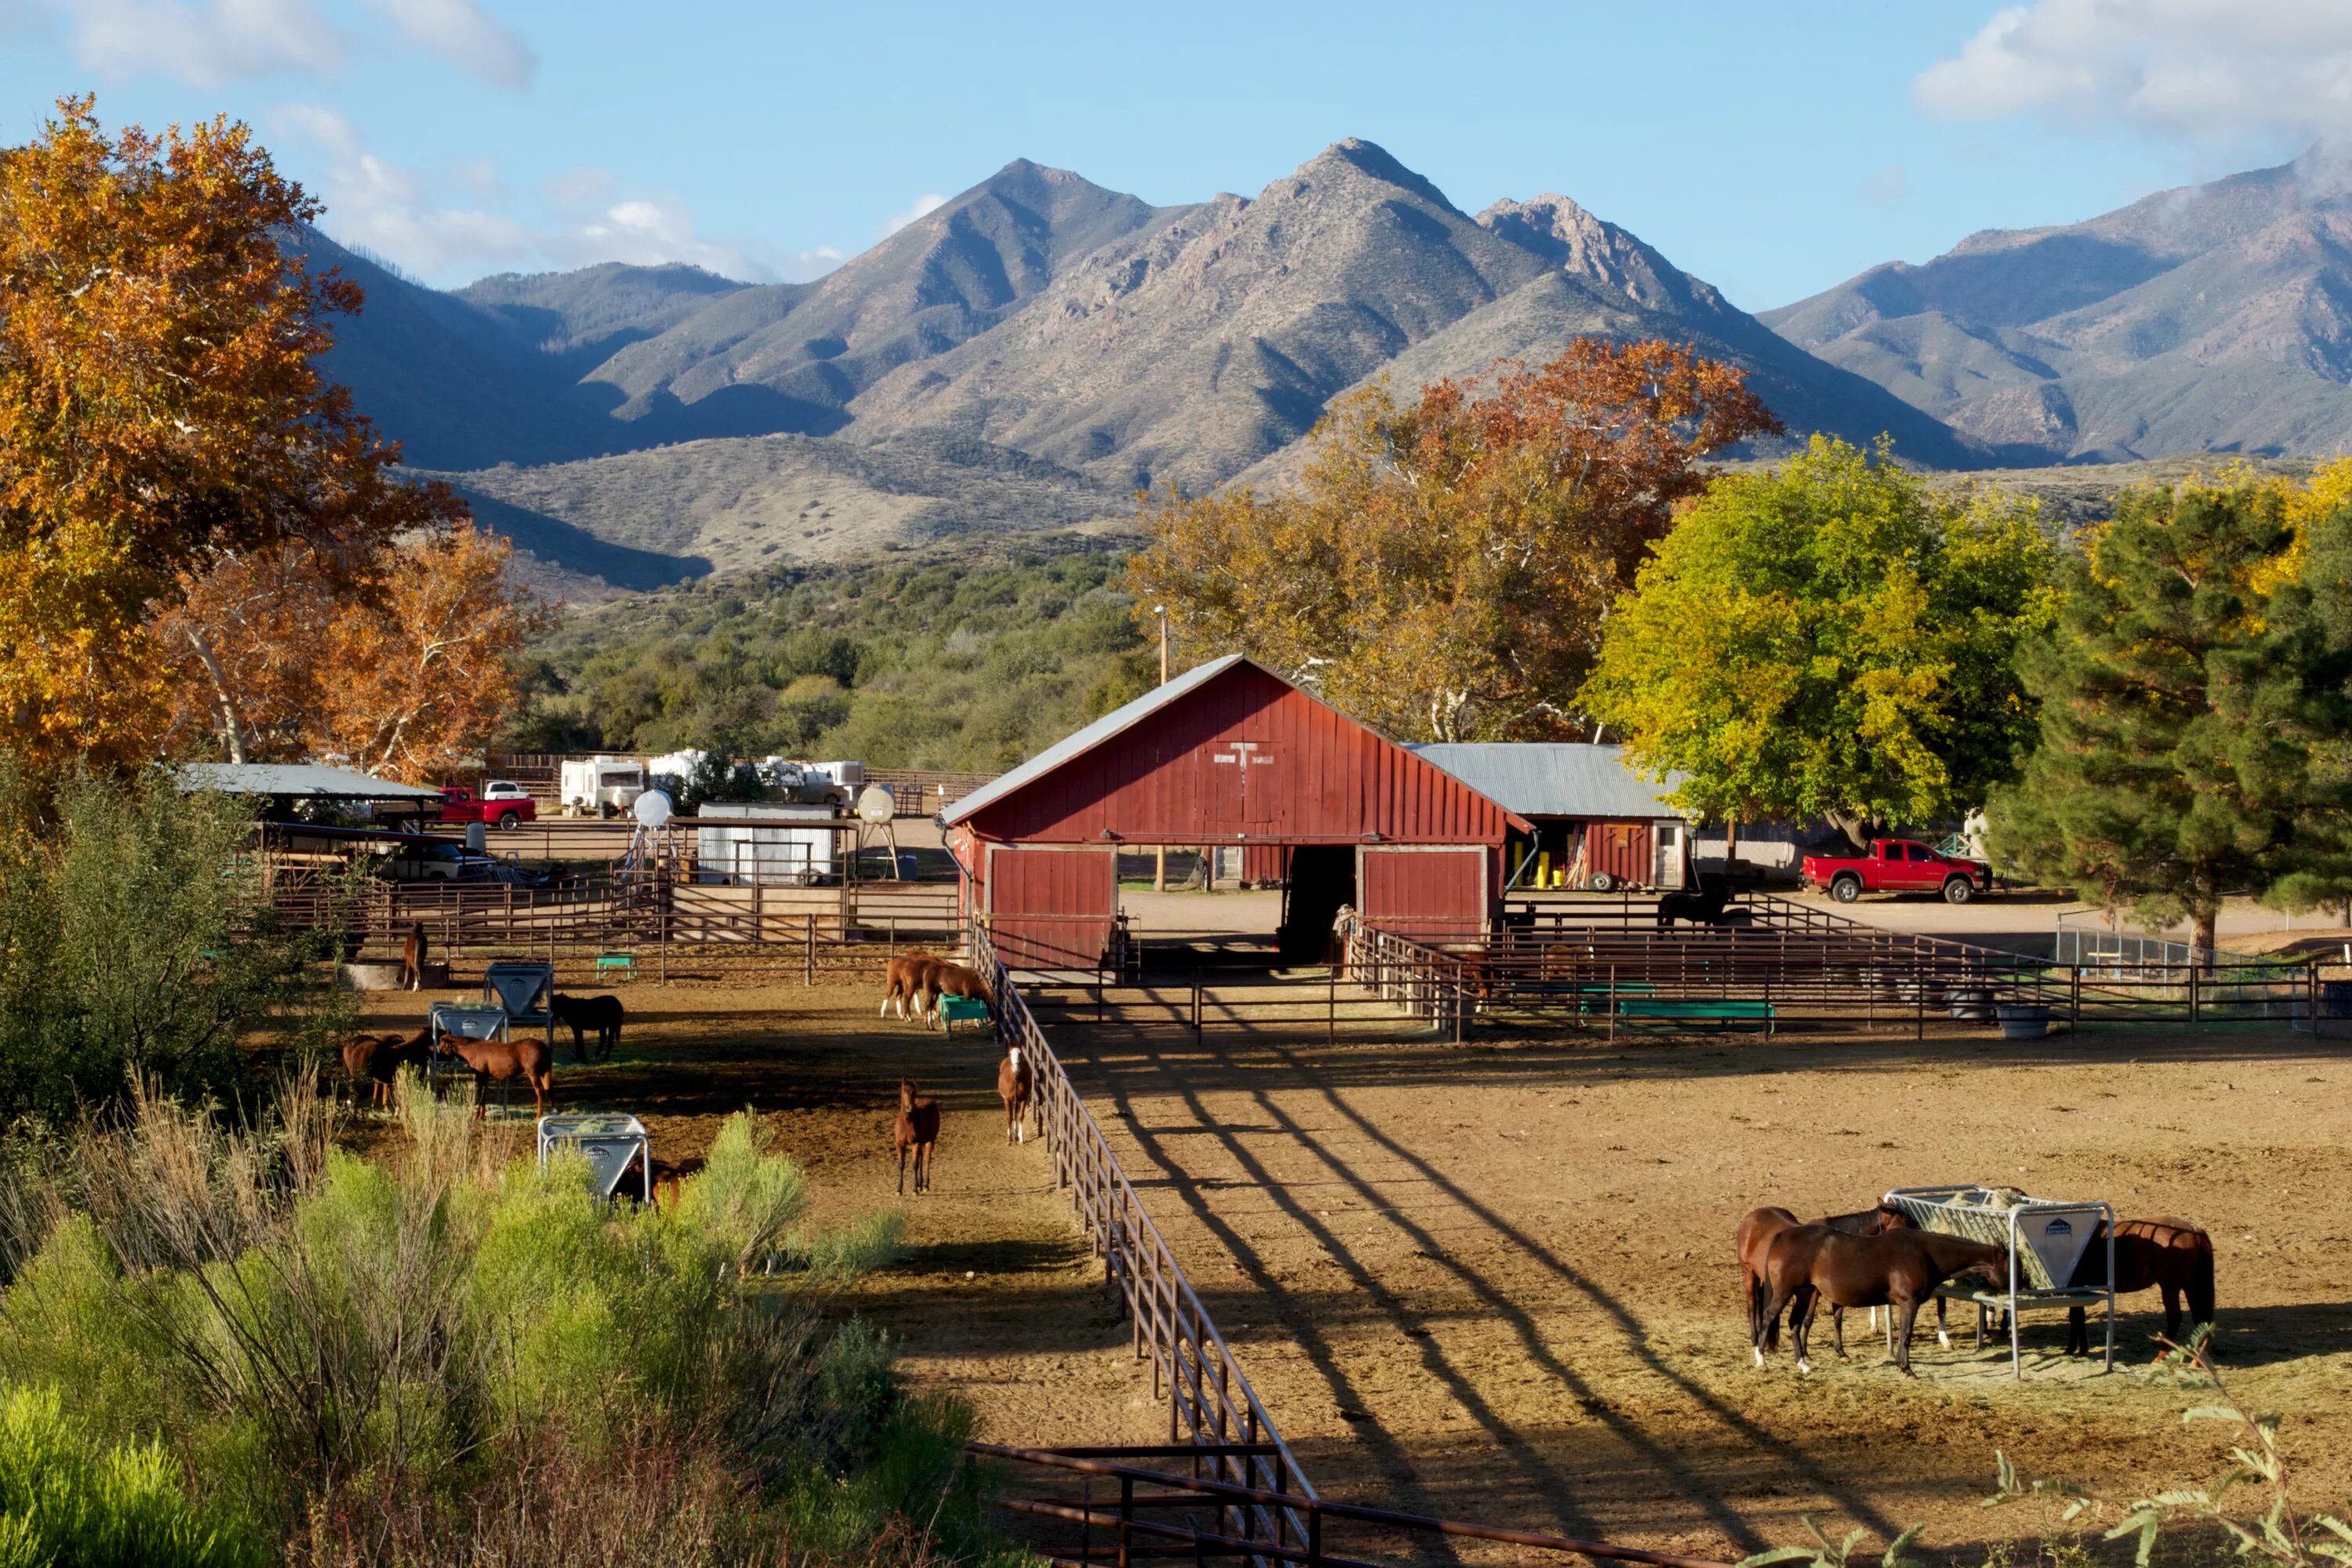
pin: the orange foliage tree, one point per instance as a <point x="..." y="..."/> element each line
<point x="1444" y="569"/>
<point x="162" y="413"/>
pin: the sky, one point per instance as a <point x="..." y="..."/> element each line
<point x="1772" y="147"/>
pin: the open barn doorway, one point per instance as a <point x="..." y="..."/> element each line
<point x="1322" y="876"/>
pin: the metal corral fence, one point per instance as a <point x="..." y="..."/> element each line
<point x="1210" y="1404"/>
<point x="1782" y="965"/>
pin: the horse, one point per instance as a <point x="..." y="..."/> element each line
<point x="1897" y="1269"/>
<point x="412" y="958"/>
<point x="1014" y="1085"/>
<point x="902" y="982"/>
<point x="1702" y="906"/>
<point x="602" y="1015"/>
<point x="379" y="1058"/>
<point x="2168" y="1254"/>
<point x="505" y="1060"/>
<point x="919" y="1130"/>
<point x="1754" y="1238"/>
<point x="669" y="1177"/>
<point x="943" y="979"/>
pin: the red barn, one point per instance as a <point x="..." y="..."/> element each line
<point x="1229" y="754"/>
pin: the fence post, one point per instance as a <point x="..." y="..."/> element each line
<point x="1612" y="1003"/>
<point x="2074" y="997"/>
<point x="1331" y="1015"/>
<point x="808" y="963"/>
<point x="2192" y="992"/>
<point x="1196" y="1006"/>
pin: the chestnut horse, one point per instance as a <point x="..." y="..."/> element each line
<point x="919" y="1130"/>
<point x="2169" y="1254"/>
<point x="1897" y="1268"/>
<point x="1014" y="1085"/>
<point x="379" y="1058"/>
<point x="904" y="983"/>
<point x="412" y="958"/>
<point x="505" y="1060"/>
<point x="943" y="979"/>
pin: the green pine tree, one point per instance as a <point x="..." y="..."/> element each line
<point x="2177" y="714"/>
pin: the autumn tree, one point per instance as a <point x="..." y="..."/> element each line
<point x="161" y="411"/>
<point x="1832" y="638"/>
<point x="1444" y="569"/>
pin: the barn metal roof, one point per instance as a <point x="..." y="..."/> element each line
<point x="1079" y="743"/>
<point x="306" y="779"/>
<point x="1556" y="779"/>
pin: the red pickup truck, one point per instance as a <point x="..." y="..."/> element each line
<point x="508" y="804"/>
<point x="1898" y="865"/>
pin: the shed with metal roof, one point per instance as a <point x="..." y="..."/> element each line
<point x="1229" y="754"/>
<point x="295" y="781"/>
<point x="1597" y="824"/>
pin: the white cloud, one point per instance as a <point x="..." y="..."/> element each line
<point x="2206" y="69"/>
<point x="922" y="206"/>
<point x="464" y="35"/>
<point x="583" y="217"/>
<point x="212" y="43"/>
<point x="209" y="43"/>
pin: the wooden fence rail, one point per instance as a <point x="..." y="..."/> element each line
<point x="1210" y="1402"/>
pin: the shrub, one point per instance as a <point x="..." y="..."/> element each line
<point x="66" y="1502"/>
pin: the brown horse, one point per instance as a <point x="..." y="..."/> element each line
<point x="412" y="958"/>
<point x="919" y="1130"/>
<point x="669" y="1177"/>
<point x="602" y="1016"/>
<point x="2168" y="1254"/>
<point x="1754" y="1238"/>
<point x="504" y="1061"/>
<point x="379" y="1058"/>
<point x="903" y="983"/>
<point x="954" y="979"/>
<point x="1014" y="1085"/>
<point x="1896" y="1269"/>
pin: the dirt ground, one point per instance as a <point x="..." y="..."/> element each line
<point x="1495" y="1281"/>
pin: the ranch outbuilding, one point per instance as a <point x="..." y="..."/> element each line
<point x="1596" y="825"/>
<point x="1228" y="754"/>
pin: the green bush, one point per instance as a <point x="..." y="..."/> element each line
<point x="451" y="1356"/>
<point x="66" y="1502"/>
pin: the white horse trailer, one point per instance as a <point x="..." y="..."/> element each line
<point x="601" y="786"/>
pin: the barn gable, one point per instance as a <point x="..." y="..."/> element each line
<point x="1230" y="752"/>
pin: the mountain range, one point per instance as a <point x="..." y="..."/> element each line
<point x="1036" y="350"/>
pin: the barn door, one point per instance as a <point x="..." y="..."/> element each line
<point x="1051" y="907"/>
<point x="1433" y="894"/>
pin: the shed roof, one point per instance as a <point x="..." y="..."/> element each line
<point x="310" y="779"/>
<point x="1078" y="743"/>
<point x="1556" y="779"/>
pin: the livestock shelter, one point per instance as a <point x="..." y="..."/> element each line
<point x="1597" y="826"/>
<point x="1229" y="754"/>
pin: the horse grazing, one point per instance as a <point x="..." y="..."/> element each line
<point x="2169" y="1254"/>
<point x="505" y="1060"/>
<point x="903" y="983"/>
<point x="954" y="979"/>
<point x="1753" y="1241"/>
<point x="668" y="1182"/>
<point x="600" y="1015"/>
<point x="1014" y="1085"/>
<point x="379" y="1058"/>
<point x="412" y="958"/>
<point x="1897" y="1268"/>
<point x="919" y="1130"/>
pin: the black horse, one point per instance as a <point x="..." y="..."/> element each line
<point x="1705" y="905"/>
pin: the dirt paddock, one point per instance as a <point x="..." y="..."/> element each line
<point x="1495" y="1280"/>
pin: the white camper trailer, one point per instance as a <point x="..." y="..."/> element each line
<point x="602" y="786"/>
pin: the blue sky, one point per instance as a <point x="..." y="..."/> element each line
<point x="1773" y="148"/>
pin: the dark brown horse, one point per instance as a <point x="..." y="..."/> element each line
<point x="599" y="1015"/>
<point x="918" y="1130"/>
<point x="2168" y="1254"/>
<point x="1897" y="1269"/>
<point x="412" y="958"/>
<point x="1754" y="1238"/>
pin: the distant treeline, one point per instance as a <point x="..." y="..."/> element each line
<point x="976" y="659"/>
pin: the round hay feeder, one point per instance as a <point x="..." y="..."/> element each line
<point x="2023" y="1021"/>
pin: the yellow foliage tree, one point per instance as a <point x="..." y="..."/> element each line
<point x="161" y="413"/>
<point x="1444" y="569"/>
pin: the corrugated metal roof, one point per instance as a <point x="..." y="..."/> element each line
<point x="310" y="779"/>
<point x="1110" y="724"/>
<point x="1555" y="779"/>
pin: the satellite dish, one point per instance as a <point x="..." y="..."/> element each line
<point x="876" y="803"/>
<point x="653" y="808"/>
